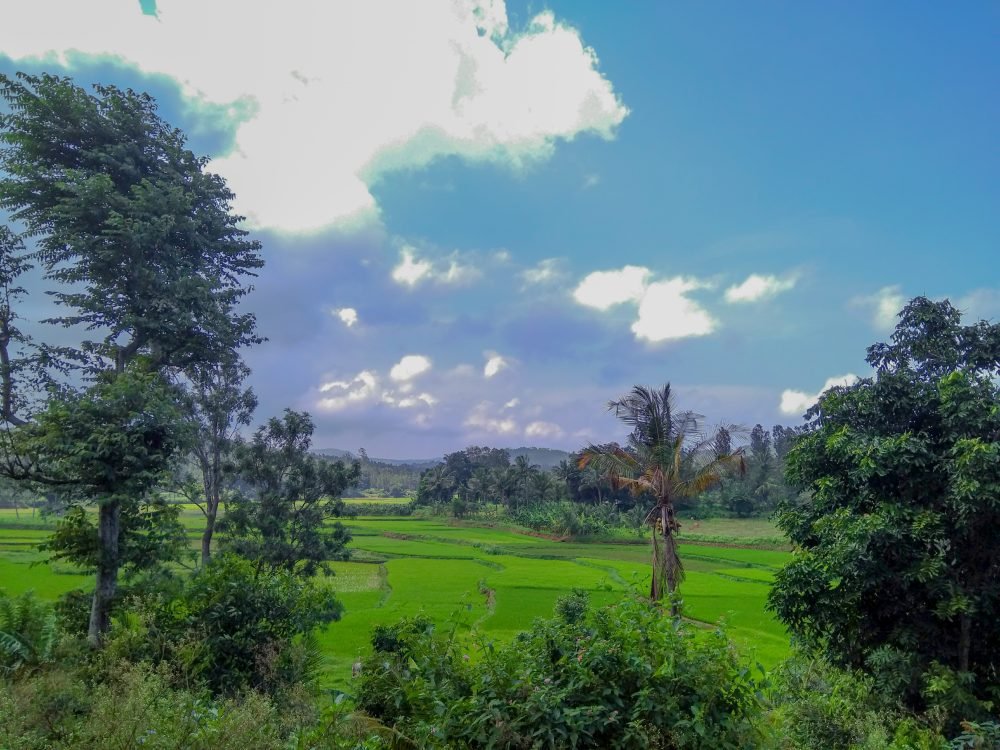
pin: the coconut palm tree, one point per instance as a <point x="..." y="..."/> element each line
<point x="667" y="456"/>
<point x="524" y="471"/>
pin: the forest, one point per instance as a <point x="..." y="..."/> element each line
<point x="179" y="571"/>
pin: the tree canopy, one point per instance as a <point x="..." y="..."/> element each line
<point x="147" y="264"/>
<point x="897" y="569"/>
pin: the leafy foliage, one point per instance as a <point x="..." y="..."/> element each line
<point x="141" y="247"/>
<point x="898" y="571"/>
<point x="126" y="218"/>
<point x="28" y="632"/>
<point x="620" y="677"/>
<point x="279" y="519"/>
<point x="667" y="456"/>
<point x="232" y="627"/>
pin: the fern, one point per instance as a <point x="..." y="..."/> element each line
<point x="28" y="632"/>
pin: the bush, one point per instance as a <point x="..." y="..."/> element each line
<point x="133" y="706"/>
<point x="624" y="676"/>
<point x="819" y="706"/>
<point x="28" y="632"/>
<point x="232" y="627"/>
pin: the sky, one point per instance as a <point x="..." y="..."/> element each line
<point x="482" y="220"/>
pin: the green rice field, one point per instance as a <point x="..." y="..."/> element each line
<point x="487" y="582"/>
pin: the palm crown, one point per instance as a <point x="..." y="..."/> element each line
<point x="668" y="455"/>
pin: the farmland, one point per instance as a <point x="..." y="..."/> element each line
<point x="491" y="582"/>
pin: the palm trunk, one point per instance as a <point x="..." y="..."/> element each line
<point x="667" y="569"/>
<point x="109" y="529"/>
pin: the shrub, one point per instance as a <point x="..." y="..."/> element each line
<point x="133" y="706"/>
<point x="28" y="632"/>
<point x="232" y="627"/>
<point x="624" y="676"/>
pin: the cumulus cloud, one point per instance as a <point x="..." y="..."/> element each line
<point x="412" y="270"/>
<point x="410" y="367"/>
<point x="883" y="306"/>
<point x="664" y="310"/>
<point x="483" y="419"/>
<point x="367" y="388"/>
<point x="348" y="316"/>
<point x="341" y="393"/>
<point x="494" y="364"/>
<point x="347" y="91"/>
<point x="797" y="403"/>
<point x="758" y="287"/>
<point x="410" y="401"/>
<point x="604" y="289"/>
<point x="543" y="430"/>
<point x="666" y="313"/>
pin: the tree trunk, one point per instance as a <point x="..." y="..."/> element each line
<point x="964" y="642"/>
<point x="666" y="561"/>
<point x="211" y="483"/>
<point x="109" y="528"/>
<point x="672" y="562"/>
<point x="206" y="537"/>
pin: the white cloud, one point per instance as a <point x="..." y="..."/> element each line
<point x="512" y="403"/>
<point x="343" y="393"/>
<point x="348" y="316"/>
<point x="757" y="287"/>
<point x="543" y="429"/>
<point x="980" y="304"/>
<point x="666" y="313"/>
<point x="604" y="289"/>
<point x="480" y="418"/>
<point x="366" y="388"/>
<point x="410" y="367"/>
<point x="883" y="305"/>
<point x="797" y="403"/>
<point x="459" y="273"/>
<point x="347" y="91"/>
<point x="411" y="401"/>
<point x="494" y="364"/>
<point x="412" y="270"/>
<point x="545" y="272"/>
<point x="591" y="180"/>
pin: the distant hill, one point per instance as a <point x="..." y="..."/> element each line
<point x="418" y="463"/>
<point x="546" y="458"/>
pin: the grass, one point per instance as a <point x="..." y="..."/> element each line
<point x="495" y="581"/>
<point x="377" y="500"/>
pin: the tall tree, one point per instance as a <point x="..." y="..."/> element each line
<point x="111" y="443"/>
<point x="524" y="471"/>
<point x="280" y="520"/>
<point x="137" y="238"/>
<point x="219" y="405"/>
<point x="667" y="456"/>
<point x="897" y="568"/>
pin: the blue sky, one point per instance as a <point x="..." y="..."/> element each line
<point x="757" y="187"/>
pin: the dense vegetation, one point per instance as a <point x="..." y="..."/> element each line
<point x="890" y="496"/>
